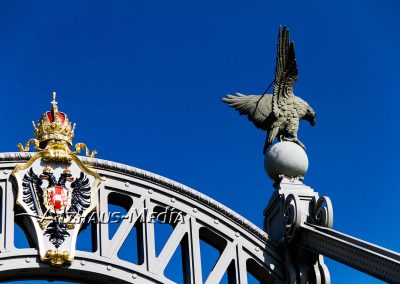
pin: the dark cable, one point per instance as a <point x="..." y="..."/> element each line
<point x="265" y="92"/>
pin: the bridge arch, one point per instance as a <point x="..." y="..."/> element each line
<point x="243" y="246"/>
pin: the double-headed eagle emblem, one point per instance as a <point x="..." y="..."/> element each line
<point x="56" y="190"/>
<point x="279" y="114"/>
<point x="56" y="198"/>
<point x="56" y="204"/>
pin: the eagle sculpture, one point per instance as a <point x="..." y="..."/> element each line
<point x="279" y="114"/>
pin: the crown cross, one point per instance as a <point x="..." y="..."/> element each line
<point x="54" y="102"/>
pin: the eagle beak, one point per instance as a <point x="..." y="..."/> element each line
<point x="313" y="122"/>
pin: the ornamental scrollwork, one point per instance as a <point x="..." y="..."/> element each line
<point x="322" y="212"/>
<point x="291" y="216"/>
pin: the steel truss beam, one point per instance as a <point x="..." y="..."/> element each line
<point x="366" y="257"/>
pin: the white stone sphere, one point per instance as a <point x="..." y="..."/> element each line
<point x="286" y="158"/>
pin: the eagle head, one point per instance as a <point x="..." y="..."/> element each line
<point x="310" y="115"/>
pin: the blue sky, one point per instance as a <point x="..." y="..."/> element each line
<point x="143" y="80"/>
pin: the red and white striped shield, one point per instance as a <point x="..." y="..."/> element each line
<point x="56" y="199"/>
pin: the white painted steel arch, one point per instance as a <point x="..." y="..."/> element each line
<point x="243" y="246"/>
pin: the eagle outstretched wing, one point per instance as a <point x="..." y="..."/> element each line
<point x="32" y="192"/>
<point x="286" y="72"/>
<point x="80" y="195"/>
<point x="257" y="108"/>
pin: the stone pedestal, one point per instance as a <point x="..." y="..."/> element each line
<point x="292" y="205"/>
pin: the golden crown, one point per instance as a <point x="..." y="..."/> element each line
<point x="54" y="125"/>
<point x="54" y="133"/>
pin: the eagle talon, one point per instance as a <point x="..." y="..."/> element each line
<point x="295" y="140"/>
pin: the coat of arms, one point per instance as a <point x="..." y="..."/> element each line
<point x="55" y="189"/>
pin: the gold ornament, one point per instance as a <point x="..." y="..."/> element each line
<point x="54" y="133"/>
<point x="56" y="258"/>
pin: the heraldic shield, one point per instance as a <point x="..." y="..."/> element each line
<point x="55" y="189"/>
